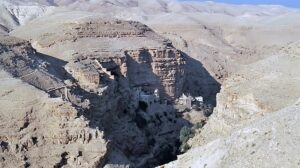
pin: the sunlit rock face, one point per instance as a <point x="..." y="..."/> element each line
<point x="160" y="68"/>
<point x="94" y="67"/>
<point x="36" y="129"/>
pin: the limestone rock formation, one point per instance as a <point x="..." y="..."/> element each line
<point x="37" y="130"/>
<point x="151" y="61"/>
<point x="166" y="68"/>
<point x="263" y="143"/>
<point x="21" y="60"/>
<point x="269" y="85"/>
<point x="255" y="117"/>
<point x="98" y="72"/>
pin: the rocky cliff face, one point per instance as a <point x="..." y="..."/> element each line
<point x="100" y="76"/>
<point x="37" y="130"/>
<point x="256" y="113"/>
<point x="161" y="69"/>
<point x="262" y="143"/>
<point x="246" y="96"/>
<point x="150" y="62"/>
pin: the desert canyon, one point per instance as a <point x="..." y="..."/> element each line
<point x="148" y="83"/>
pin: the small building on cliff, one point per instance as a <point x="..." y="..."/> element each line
<point x="186" y="100"/>
<point x="150" y="99"/>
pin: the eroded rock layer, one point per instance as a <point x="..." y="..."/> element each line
<point x="147" y="59"/>
<point x="37" y="130"/>
<point x="117" y="77"/>
<point x="159" y="68"/>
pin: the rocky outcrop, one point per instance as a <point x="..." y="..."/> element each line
<point x="256" y="113"/>
<point x="263" y="143"/>
<point x="95" y="28"/>
<point x="161" y="69"/>
<point x="150" y="61"/>
<point x="150" y="69"/>
<point x="266" y="86"/>
<point x="22" y="61"/>
<point x="45" y="132"/>
<point x="105" y="64"/>
<point x="36" y="129"/>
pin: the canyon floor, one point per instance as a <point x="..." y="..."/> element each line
<point x="108" y="83"/>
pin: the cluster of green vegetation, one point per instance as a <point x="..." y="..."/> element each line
<point x="186" y="133"/>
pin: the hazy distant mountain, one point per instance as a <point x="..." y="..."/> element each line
<point x="21" y="11"/>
